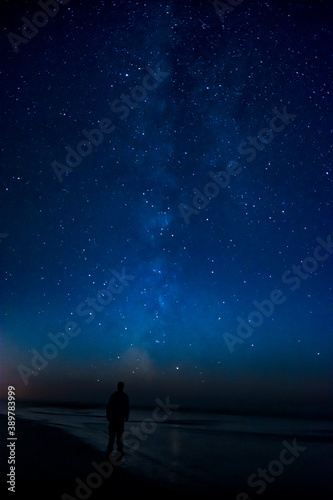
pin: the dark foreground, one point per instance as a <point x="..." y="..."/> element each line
<point x="48" y="461"/>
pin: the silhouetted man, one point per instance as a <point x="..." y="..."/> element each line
<point x="117" y="412"/>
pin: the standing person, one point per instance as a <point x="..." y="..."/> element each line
<point x="117" y="412"/>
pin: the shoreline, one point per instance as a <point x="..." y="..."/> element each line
<point x="54" y="464"/>
<point x="47" y="459"/>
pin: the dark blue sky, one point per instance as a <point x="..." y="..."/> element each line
<point x="153" y="254"/>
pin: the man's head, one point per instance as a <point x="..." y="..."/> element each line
<point x="120" y="386"/>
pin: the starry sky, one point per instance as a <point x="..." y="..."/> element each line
<point x="187" y="249"/>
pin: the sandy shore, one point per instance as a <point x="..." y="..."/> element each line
<point x="48" y="461"/>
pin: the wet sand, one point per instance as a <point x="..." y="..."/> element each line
<point x="48" y="461"/>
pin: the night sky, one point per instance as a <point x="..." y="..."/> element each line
<point x="187" y="250"/>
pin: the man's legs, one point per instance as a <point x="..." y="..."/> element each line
<point x="112" y="432"/>
<point x="119" y="433"/>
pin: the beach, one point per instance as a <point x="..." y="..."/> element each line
<point x="60" y="453"/>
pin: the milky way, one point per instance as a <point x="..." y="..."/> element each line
<point x="166" y="212"/>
